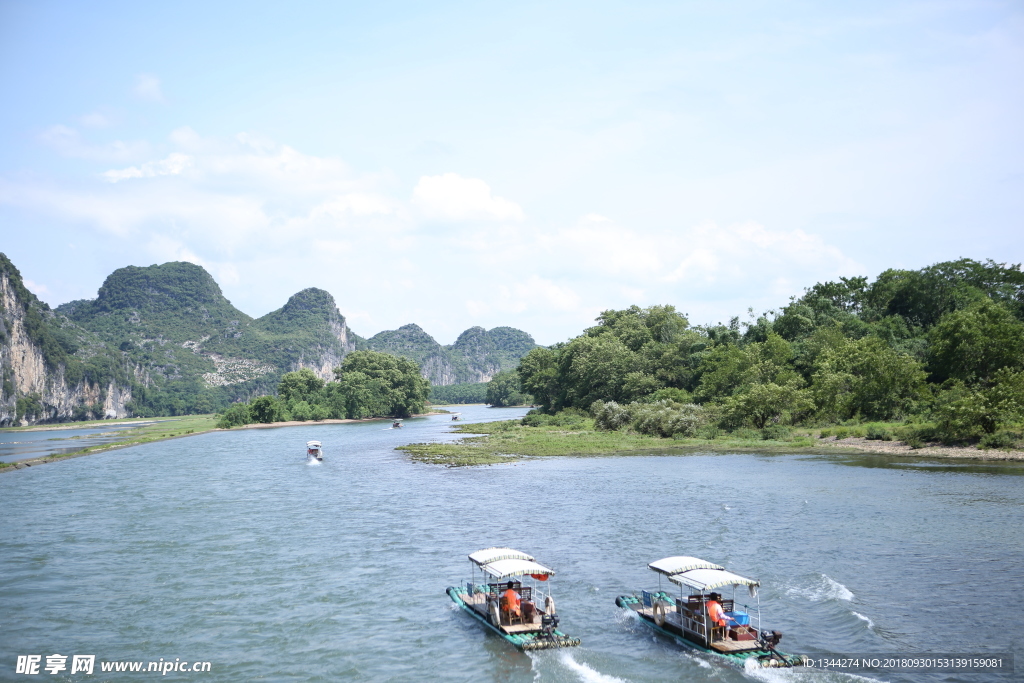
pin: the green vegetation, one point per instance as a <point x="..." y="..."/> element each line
<point x="473" y="392"/>
<point x="367" y="384"/>
<point x="146" y="432"/>
<point x="504" y="389"/>
<point x="940" y="349"/>
<point x="569" y="433"/>
<point x="476" y="353"/>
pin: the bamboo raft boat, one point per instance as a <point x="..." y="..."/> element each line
<point x="504" y="604"/>
<point x="690" y="618"/>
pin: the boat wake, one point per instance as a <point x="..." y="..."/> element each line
<point x="825" y="588"/>
<point x="313" y="463"/>
<point x="871" y="624"/>
<point x="585" y="672"/>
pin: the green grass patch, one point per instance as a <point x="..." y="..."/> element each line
<point x="145" y="433"/>
<point x="510" y="440"/>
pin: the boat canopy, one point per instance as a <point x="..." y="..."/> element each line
<point x="681" y="563"/>
<point x="709" y="579"/>
<point x="488" y="555"/>
<point x="312" y="444"/>
<point x="502" y="568"/>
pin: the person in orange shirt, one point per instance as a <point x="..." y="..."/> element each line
<point x="511" y="600"/>
<point x="715" y="611"/>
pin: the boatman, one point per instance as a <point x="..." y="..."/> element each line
<point x="715" y="611"/>
<point x="511" y="600"/>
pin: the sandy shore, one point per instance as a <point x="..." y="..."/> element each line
<point x="934" y="449"/>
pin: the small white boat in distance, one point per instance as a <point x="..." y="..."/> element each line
<point x="314" y="451"/>
<point x="397" y="424"/>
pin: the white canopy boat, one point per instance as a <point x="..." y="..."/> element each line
<point x="703" y="619"/>
<point x="507" y="597"/>
<point x="314" y="451"/>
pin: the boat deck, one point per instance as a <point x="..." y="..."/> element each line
<point x="673" y="622"/>
<point x="478" y="602"/>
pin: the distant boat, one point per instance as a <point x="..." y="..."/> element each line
<point x="456" y="417"/>
<point x="503" y="604"/>
<point x="691" y="619"/>
<point x="314" y="451"/>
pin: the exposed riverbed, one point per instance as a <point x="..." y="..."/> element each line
<point x="227" y="547"/>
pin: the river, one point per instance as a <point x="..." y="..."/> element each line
<point x="227" y="547"/>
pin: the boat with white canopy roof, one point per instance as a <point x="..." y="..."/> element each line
<point x="505" y="593"/>
<point x="705" y="620"/>
<point x="314" y="451"/>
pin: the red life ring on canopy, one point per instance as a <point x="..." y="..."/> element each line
<point x="540" y="577"/>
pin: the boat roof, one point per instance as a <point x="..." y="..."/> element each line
<point x="681" y="563"/>
<point x="488" y="555"/>
<point x="502" y="568"/>
<point x="709" y="579"/>
<point x="312" y="444"/>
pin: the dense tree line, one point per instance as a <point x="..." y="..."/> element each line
<point x="940" y="349"/>
<point x="367" y="384"/>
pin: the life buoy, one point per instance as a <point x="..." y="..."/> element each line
<point x="659" y="613"/>
<point x="495" y="617"/>
<point x="549" y="605"/>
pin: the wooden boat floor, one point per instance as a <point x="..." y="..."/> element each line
<point x="478" y="602"/>
<point x="675" y="619"/>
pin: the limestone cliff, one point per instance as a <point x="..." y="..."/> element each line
<point x="52" y="370"/>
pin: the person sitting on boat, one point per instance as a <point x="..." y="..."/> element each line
<point x="510" y="600"/>
<point x="715" y="611"/>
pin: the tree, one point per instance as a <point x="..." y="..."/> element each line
<point x="267" y="409"/>
<point x="386" y="384"/>
<point x="504" y="390"/>
<point x="972" y="344"/>
<point x="302" y="385"/>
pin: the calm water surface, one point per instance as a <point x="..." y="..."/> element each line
<point x="227" y="547"/>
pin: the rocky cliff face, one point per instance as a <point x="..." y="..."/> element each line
<point x="313" y="314"/>
<point x="42" y="382"/>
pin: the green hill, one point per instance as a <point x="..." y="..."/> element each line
<point x="476" y="356"/>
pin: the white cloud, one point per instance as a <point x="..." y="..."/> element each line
<point x="68" y="142"/>
<point x="147" y="87"/>
<point x="452" y="197"/>
<point x="267" y="220"/>
<point x="173" y="165"/>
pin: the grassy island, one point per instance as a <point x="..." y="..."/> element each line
<point x="511" y="440"/>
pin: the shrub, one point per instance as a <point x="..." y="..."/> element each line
<point x="1001" y="439"/>
<point x="777" y="433"/>
<point x="824" y="433"/>
<point x="608" y="416"/>
<point x="709" y="432"/>
<point x="842" y="433"/>
<point x="879" y="433"/>
<point x="916" y="435"/>
<point x="666" y="418"/>
<point x="236" y="415"/>
<point x="746" y="433"/>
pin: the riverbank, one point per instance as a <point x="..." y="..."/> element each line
<point x="154" y="429"/>
<point x="507" y="441"/>
<point x="148" y="431"/>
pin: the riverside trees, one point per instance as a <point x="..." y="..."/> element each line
<point x="943" y="346"/>
<point x="367" y="384"/>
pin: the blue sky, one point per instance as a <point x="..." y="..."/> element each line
<point x="458" y="164"/>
